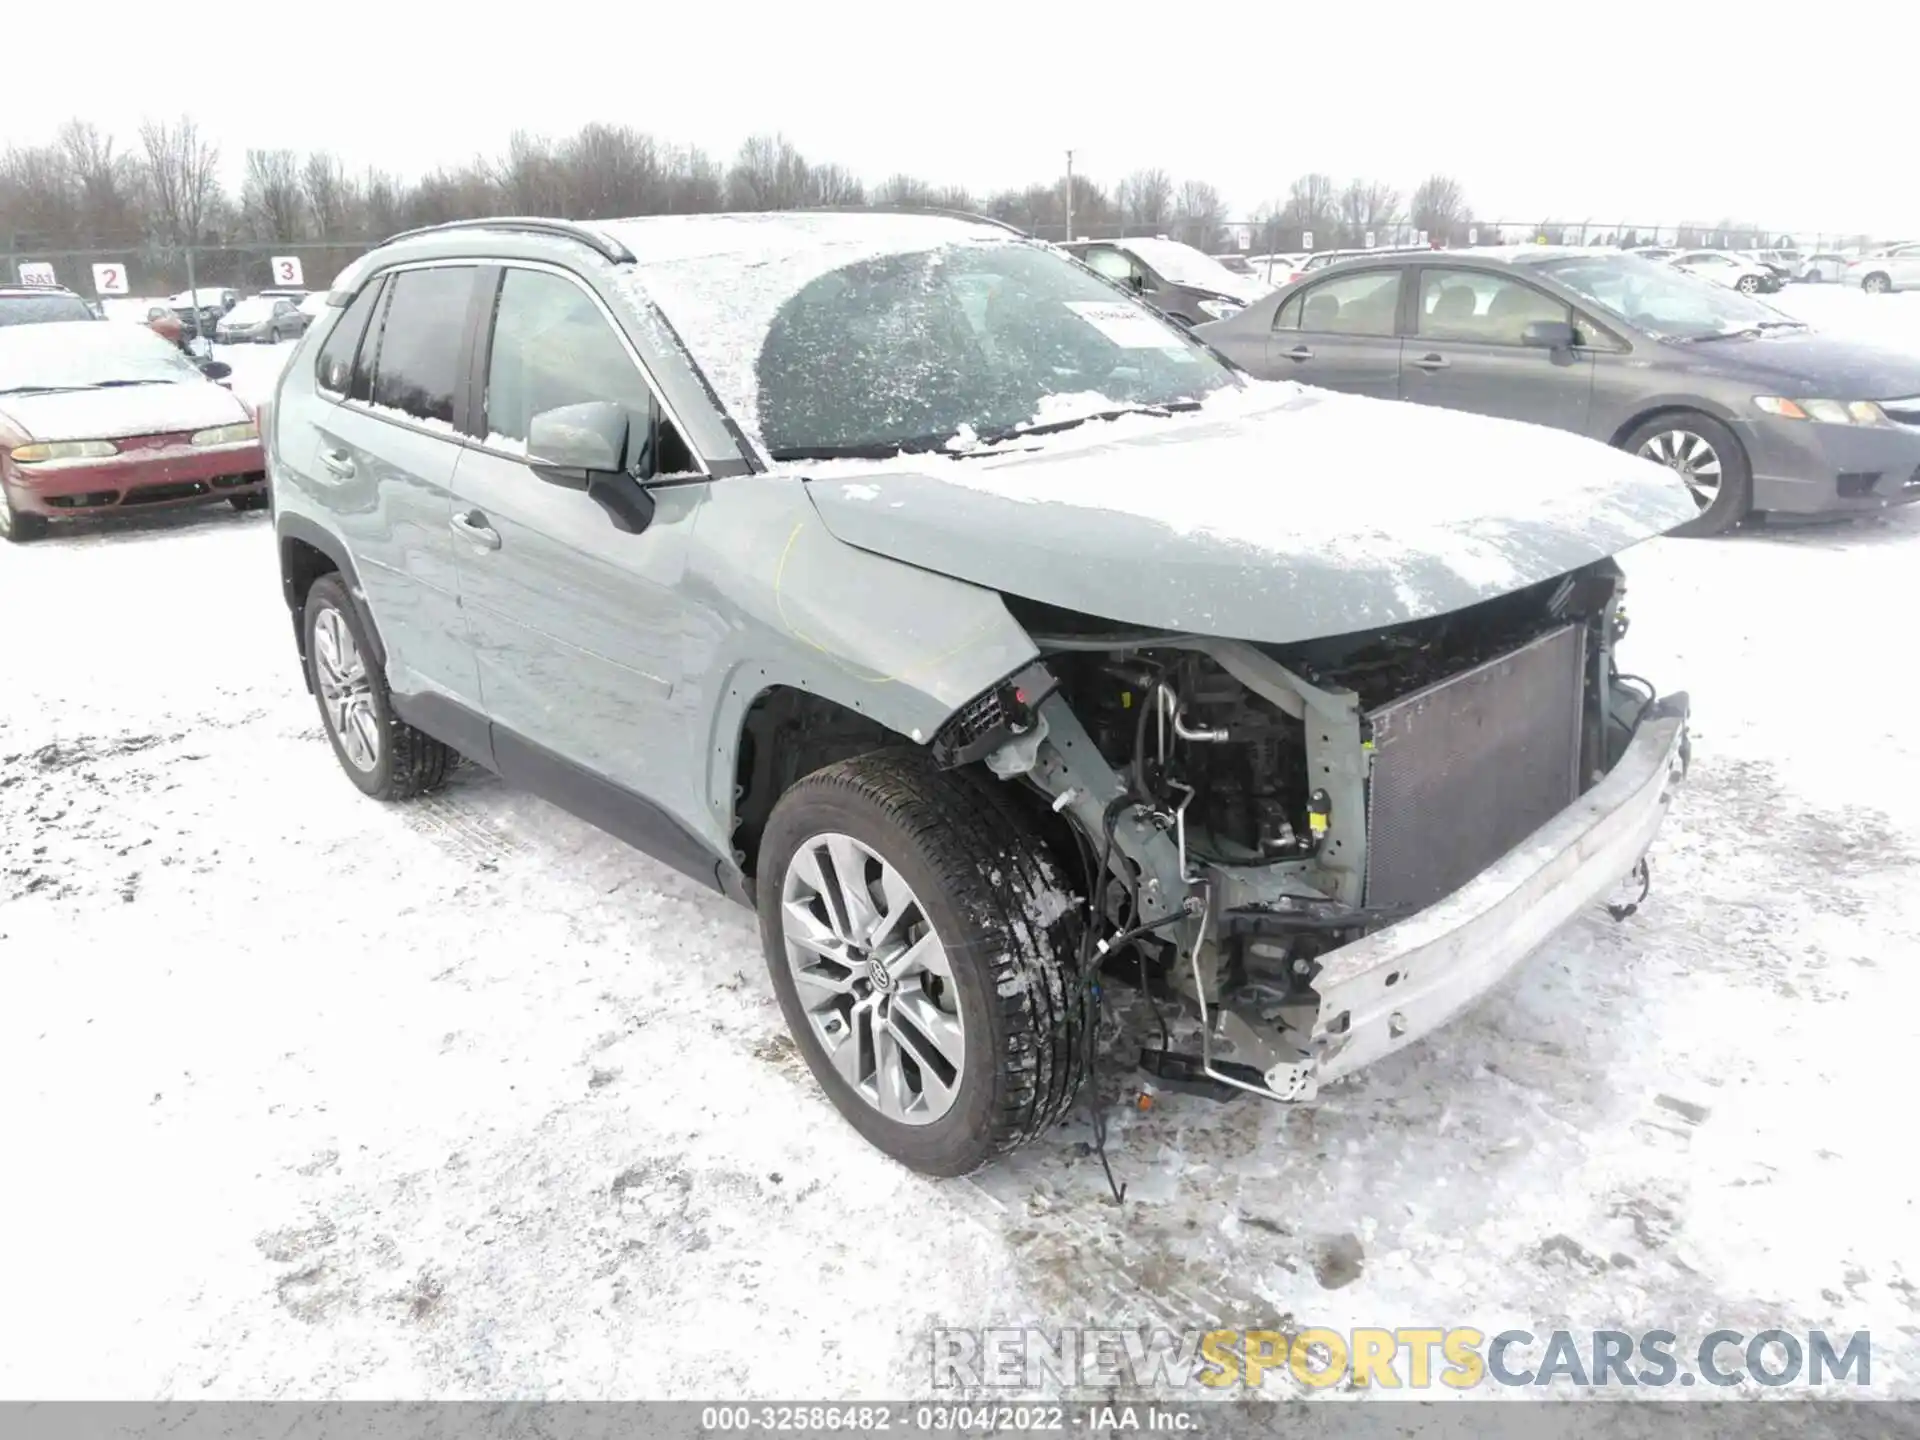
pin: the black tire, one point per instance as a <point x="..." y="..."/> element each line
<point x="1877" y="283"/>
<point x="256" y="500"/>
<point x="409" y="762"/>
<point x="17" y="526"/>
<point x="990" y="886"/>
<point x="1735" y="497"/>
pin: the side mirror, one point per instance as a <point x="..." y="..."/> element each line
<point x="1137" y="283"/>
<point x="1549" y="335"/>
<point x="215" y="369"/>
<point x="581" y="447"/>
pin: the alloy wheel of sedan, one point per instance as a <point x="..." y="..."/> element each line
<point x="873" y="979"/>
<point x="1690" y="456"/>
<point x="346" y="693"/>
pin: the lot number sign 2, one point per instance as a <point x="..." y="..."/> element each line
<point x="109" y="279"/>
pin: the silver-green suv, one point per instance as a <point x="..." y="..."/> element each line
<point x="1002" y="644"/>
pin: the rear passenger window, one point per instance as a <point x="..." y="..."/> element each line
<point x="1363" y="304"/>
<point x="336" y="356"/>
<point x="418" y="367"/>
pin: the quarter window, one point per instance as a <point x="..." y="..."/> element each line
<point x="1111" y="263"/>
<point x="419" y="362"/>
<point x="1482" y="307"/>
<point x="336" y="356"/>
<point x="1363" y="304"/>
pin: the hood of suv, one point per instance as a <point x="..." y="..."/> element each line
<point x="1296" y="514"/>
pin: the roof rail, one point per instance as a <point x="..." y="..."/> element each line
<point x="531" y="224"/>
<point x="976" y="218"/>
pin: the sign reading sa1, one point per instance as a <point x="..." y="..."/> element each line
<point x="36" y="272"/>
<point x="286" y="270"/>
<point x="109" y="279"/>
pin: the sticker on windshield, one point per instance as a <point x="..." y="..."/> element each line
<point x="1125" y="326"/>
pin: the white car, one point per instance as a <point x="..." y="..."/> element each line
<point x="1749" y="277"/>
<point x="1824" y="267"/>
<point x="1278" y="268"/>
<point x="1892" y="267"/>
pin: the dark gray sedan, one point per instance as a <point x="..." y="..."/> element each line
<point x="1756" y="412"/>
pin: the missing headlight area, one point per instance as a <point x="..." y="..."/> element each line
<point x="1312" y="854"/>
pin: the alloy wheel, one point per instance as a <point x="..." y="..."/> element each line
<point x="1690" y="456"/>
<point x="1875" y="284"/>
<point x="346" y="693"/>
<point x="873" y="979"/>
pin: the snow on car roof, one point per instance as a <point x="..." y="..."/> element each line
<point x="721" y="279"/>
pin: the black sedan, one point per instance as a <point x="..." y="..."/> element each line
<point x="1753" y="409"/>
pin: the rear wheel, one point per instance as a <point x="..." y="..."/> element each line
<point x="382" y="754"/>
<point x="1748" y="285"/>
<point x="18" y="526"/>
<point x="1877" y="283"/>
<point x="1707" y="456"/>
<point x="923" y="946"/>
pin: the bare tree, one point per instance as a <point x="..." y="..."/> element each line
<point x="182" y="178"/>
<point x="1440" y="209"/>
<point x="904" y="190"/>
<point x="107" y="184"/>
<point x="1201" y="215"/>
<point x="834" y="185"/>
<point x="1368" y="207"/>
<point x="694" y="182"/>
<point x="385" y="205"/>
<point x="271" y="197"/>
<point x="529" y="176"/>
<point x="39" y="206"/>
<point x="609" y="171"/>
<point x="331" y="197"/>
<point x="1146" y="199"/>
<point x="1312" y="206"/>
<point x="769" y="173"/>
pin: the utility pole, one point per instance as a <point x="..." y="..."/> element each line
<point x="1069" y="234"/>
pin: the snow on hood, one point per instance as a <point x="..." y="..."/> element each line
<point x="1272" y="515"/>
<point x="129" y="410"/>
<point x="1184" y="265"/>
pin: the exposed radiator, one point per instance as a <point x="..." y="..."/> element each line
<point x="1466" y="769"/>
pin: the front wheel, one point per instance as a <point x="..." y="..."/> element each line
<point x="1876" y="284"/>
<point x="1708" y="457"/>
<point x="17" y="527"/>
<point x="1749" y="285"/>
<point x="923" y="946"/>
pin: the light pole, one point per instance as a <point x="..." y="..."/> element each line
<point x="1069" y="235"/>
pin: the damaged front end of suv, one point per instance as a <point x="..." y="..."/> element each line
<point x="1330" y="848"/>
<point x="1341" y="758"/>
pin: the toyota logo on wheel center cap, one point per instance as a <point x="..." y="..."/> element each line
<point x="878" y="977"/>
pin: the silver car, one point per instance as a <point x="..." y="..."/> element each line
<point x="917" y="586"/>
<point x="264" y="320"/>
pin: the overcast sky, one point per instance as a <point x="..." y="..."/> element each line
<point x="1796" y="117"/>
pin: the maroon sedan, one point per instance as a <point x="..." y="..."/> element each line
<point x="97" y="417"/>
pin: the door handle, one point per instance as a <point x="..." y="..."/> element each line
<point x="473" y="526"/>
<point x="1431" y="362"/>
<point x="339" y="462"/>
<point x="1299" y="352"/>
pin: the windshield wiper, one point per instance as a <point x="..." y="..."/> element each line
<point x="113" y="384"/>
<point x="1747" y="332"/>
<point x="40" y="389"/>
<point x="979" y="442"/>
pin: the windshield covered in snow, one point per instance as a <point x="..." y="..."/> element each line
<point x="1661" y="300"/>
<point x="963" y="343"/>
<point x="28" y="309"/>
<point x="81" y="356"/>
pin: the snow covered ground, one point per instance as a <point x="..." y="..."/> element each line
<point x="307" y="1096"/>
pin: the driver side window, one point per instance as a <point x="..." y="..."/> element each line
<point x="553" y="347"/>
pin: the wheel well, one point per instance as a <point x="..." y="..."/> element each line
<point x="788" y="734"/>
<point x="300" y="565"/>
<point x="1620" y="435"/>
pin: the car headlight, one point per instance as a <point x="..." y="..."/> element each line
<point x="64" y="450"/>
<point x="1220" y="309"/>
<point x="1827" y="412"/>
<point x="225" y="434"/>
